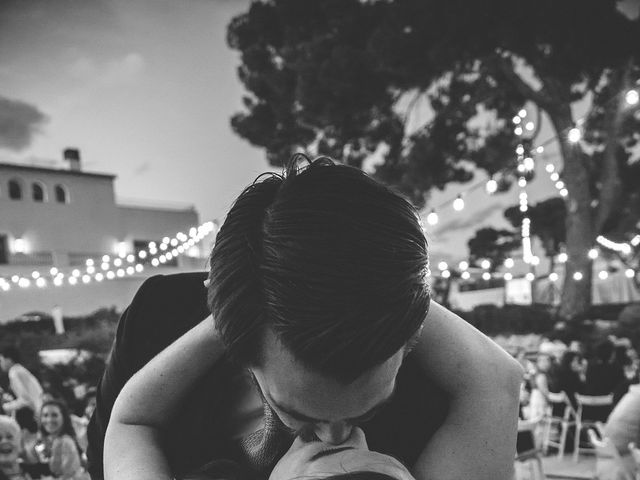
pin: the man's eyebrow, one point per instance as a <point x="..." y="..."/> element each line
<point x="303" y="418"/>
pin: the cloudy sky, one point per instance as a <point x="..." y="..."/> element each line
<point x="145" y="89"/>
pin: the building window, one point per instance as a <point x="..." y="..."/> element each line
<point x="15" y="189"/>
<point x="62" y="195"/>
<point x="38" y="192"/>
<point x="4" y="249"/>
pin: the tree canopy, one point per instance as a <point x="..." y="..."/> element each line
<point x="343" y="78"/>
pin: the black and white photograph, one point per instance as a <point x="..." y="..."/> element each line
<point x="319" y="240"/>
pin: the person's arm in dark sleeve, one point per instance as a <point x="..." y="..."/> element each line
<point x="121" y="364"/>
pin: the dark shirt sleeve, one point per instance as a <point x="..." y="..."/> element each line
<point x="164" y="308"/>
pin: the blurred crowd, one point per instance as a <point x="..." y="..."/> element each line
<point x="42" y="429"/>
<point x="607" y="372"/>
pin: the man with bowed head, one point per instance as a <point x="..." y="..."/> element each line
<point x="315" y="319"/>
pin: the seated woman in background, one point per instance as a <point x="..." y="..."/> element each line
<point x="568" y="377"/>
<point x="58" y="445"/>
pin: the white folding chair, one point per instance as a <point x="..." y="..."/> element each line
<point x="582" y="423"/>
<point x="550" y="422"/>
<point x="635" y="453"/>
<point x="608" y="460"/>
<point x="531" y="456"/>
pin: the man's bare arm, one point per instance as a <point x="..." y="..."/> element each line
<point x="132" y="448"/>
<point x="478" y="437"/>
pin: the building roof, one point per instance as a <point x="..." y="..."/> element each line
<point x="37" y="169"/>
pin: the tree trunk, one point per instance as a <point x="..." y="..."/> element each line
<point x="576" y="294"/>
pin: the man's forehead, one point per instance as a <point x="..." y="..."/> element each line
<point x="293" y="388"/>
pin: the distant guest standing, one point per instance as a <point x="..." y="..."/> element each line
<point x="25" y="386"/>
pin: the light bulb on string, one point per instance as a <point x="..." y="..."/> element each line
<point x="574" y="135"/>
<point x="486" y="276"/>
<point x="446" y="274"/>
<point x="603" y="275"/>
<point x="563" y="257"/>
<point x="520" y="150"/>
<point x="564" y="192"/>
<point x="443" y="266"/>
<point x="492" y="186"/>
<point x="508" y="262"/>
<point x="529" y="126"/>
<point x="530" y="276"/>
<point x="593" y="254"/>
<point x="465" y="275"/>
<point x="522" y="182"/>
<point x="463" y="265"/>
<point x="577" y="276"/>
<point x="522" y="113"/>
<point x="559" y="184"/>
<point x="549" y="168"/>
<point x="516" y="120"/>
<point x="486" y="264"/>
<point x="458" y="203"/>
<point x="553" y="277"/>
<point x="555" y="176"/>
<point x="540" y="149"/>
<point x="632" y="97"/>
<point x="630" y="273"/>
<point x="508" y="276"/>
<point x="517" y="130"/>
<point x="528" y="163"/>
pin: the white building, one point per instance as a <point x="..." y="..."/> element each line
<point x="61" y="218"/>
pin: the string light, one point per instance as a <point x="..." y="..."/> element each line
<point x="603" y="275"/>
<point x="631" y="97"/>
<point x="445" y="274"/>
<point x="465" y="275"/>
<point x="458" y="203"/>
<point x="442" y="266"/>
<point x="508" y="263"/>
<point x="530" y="276"/>
<point x="492" y="186"/>
<point x="553" y="276"/>
<point x="575" y="134"/>
<point x="577" y="276"/>
<point x="486" y="276"/>
<point x="76" y="275"/>
<point x="508" y="276"/>
<point x="463" y="265"/>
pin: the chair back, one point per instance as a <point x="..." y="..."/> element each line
<point x="594" y="400"/>
<point x="561" y="398"/>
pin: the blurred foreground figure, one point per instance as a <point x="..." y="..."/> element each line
<point x="315" y="318"/>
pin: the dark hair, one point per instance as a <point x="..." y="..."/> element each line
<point x="567" y="358"/>
<point x="26" y="420"/>
<point x="11" y="353"/>
<point x="67" y="426"/>
<point x="331" y="260"/>
<point x="604" y="351"/>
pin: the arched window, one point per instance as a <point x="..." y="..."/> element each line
<point x="38" y="192"/>
<point x="62" y="195"/>
<point x="15" y="189"/>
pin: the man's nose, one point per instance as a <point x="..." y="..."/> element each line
<point x="333" y="433"/>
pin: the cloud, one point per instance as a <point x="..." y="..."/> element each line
<point x="114" y="72"/>
<point x="19" y="123"/>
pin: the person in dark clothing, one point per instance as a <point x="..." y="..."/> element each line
<point x="569" y="377"/>
<point x="317" y="297"/>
